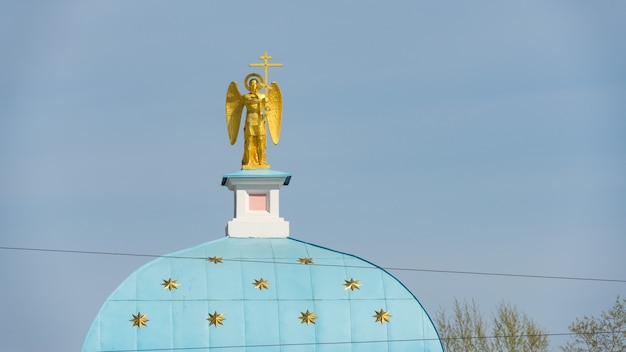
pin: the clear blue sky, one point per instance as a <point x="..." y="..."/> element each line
<point x="484" y="136"/>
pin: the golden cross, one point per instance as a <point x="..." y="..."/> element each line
<point x="265" y="65"/>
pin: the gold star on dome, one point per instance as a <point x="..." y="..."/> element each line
<point x="216" y="319"/>
<point x="307" y="317"/>
<point x="382" y="316"/>
<point x="261" y="284"/>
<point x="215" y="260"/>
<point x="139" y="320"/>
<point x="352" y="284"/>
<point x="306" y="260"/>
<point x="170" y="284"/>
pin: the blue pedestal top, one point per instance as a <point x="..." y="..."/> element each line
<point x="257" y="173"/>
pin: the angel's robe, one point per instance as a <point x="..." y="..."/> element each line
<point x="254" y="133"/>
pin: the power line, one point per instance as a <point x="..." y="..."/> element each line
<point x="364" y="342"/>
<point x="458" y="272"/>
<point x="511" y="275"/>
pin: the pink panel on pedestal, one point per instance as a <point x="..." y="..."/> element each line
<point x="258" y="201"/>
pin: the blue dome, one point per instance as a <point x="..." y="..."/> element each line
<point x="270" y="294"/>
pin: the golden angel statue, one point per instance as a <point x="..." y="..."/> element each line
<point x="259" y="109"/>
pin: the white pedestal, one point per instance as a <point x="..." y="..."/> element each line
<point x="257" y="203"/>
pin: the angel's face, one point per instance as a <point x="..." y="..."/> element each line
<point x="254" y="86"/>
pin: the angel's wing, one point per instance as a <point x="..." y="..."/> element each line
<point x="234" y="107"/>
<point x="274" y="111"/>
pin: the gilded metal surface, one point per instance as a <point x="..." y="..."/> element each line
<point x="274" y="111"/>
<point x="265" y="64"/>
<point x="305" y="260"/>
<point x="215" y="260"/>
<point x="382" y="316"/>
<point x="139" y="320"/>
<point x="352" y="284"/>
<point x="216" y="319"/>
<point x="170" y="284"/>
<point x="234" y="108"/>
<point x="261" y="109"/>
<point x="261" y="284"/>
<point x="307" y="317"/>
